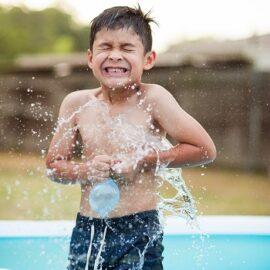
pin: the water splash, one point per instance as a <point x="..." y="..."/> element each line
<point x="131" y="143"/>
<point x="134" y="142"/>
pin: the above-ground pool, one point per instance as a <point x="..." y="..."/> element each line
<point x="230" y="242"/>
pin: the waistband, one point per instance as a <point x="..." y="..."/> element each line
<point x="132" y="220"/>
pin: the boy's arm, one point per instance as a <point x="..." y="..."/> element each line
<point x="58" y="161"/>
<point x="194" y="148"/>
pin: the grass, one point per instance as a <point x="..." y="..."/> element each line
<point x="25" y="192"/>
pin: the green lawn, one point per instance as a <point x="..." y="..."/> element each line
<point x="25" y="193"/>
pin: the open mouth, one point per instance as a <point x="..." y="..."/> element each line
<point x="115" y="71"/>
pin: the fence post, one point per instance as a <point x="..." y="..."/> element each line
<point x="255" y="121"/>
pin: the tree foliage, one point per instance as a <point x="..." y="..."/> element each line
<point x="24" y="31"/>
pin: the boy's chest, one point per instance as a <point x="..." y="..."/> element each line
<point x="103" y="128"/>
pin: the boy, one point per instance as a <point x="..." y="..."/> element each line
<point x="114" y="121"/>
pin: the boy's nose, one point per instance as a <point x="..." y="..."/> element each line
<point x="115" y="56"/>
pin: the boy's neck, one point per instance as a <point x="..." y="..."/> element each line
<point x="119" y="95"/>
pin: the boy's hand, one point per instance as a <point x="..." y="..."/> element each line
<point x="131" y="164"/>
<point x="99" y="168"/>
<point x="126" y="168"/>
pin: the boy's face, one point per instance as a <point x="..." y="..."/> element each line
<point x="118" y="59"/>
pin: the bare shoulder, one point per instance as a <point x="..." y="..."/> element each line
<point x="155" y="93"/>
<point x="163" y="103"/>
<point x="74" y="100"/>
<point x="78" y="98"/>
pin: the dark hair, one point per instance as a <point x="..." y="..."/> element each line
<point x="124" y="17"/>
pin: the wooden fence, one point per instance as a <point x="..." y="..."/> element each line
<point x="231" y="102"/>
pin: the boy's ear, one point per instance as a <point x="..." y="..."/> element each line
<point x="89" y="58"/>
<point x="149" y="60"/>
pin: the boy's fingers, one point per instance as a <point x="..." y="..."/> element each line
<point x="100" y="179"/>
<point x="115" y="161"/>
<point x="102" y="166"/>
<point x="103" y="158"/>
<point x="102" y="174"/>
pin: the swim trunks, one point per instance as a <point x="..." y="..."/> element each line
<point x="129" y="242"/>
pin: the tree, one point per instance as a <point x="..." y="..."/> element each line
<point x="24" y="31"/>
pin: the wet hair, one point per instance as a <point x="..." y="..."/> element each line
<point x="121" y="17"/>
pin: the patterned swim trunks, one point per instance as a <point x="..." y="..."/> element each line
<point x="131" y="242"/>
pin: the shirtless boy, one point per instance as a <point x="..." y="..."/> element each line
<point x="110" y="120"/>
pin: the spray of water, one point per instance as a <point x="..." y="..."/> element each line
<point x="134" y="142"/>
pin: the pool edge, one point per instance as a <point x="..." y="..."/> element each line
<point x="173" y="225"/>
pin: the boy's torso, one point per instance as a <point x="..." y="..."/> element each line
<point x="115" y="130"/>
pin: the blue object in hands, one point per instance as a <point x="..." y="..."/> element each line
<point x="104" y="197"/>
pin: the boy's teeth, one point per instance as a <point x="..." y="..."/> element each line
<point x="116" y="70"/>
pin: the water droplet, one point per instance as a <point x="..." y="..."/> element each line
<point x="17" y="183"/>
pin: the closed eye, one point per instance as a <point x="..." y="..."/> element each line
<point x="128" y="47"/>
<point x="128" y="50"/>
<point x="104" y="46"/>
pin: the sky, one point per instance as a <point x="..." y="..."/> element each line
<point x="178" y="20"/>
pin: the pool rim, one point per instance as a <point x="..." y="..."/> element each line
<point x="251" y="225"/>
